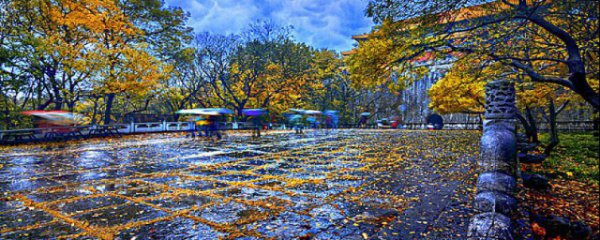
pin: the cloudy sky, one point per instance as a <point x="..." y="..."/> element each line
<point x="319" y="23"/>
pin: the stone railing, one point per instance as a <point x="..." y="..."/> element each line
<point x="496" y="183"/>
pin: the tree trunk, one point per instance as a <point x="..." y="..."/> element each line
<point x="583" y="88"/>
<point x="109" y="102"/>
<point x="58" y="103"/>
<point x="6" y="118"/>
<point x="44" y="105"/>
<point x="533" y="124"/>
<point x="526" y="125"/>
<point x="596" y="123"/>
<point x="554" y="141"/>
<point x="71" y="106"/>
<point x="95" y="112"/>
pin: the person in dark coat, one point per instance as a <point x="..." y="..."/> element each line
<point x="257" y="122"/>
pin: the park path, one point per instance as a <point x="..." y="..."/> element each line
<point x="350" y="184"/>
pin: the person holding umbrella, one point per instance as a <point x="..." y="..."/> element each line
<point x="297" y="123"/>
<point x="313" y="118"/>
<point x="256" y="115"/>
<point x="331" y="119"/>
<point x="396" y="121"/>
<point x="363" y="119"/>
<point x="213" y="114"/>
<point x="198" y="120"/>
<point x="296" y="120"/>
<point x="207" y="120"/>
<point x="200" y="124"/>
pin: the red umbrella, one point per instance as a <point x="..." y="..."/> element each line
<point x="57" y="117"/>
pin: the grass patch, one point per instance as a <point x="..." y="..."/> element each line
<point x="576" y="157"/>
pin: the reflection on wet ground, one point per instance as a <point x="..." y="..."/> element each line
<point x="347" y="184"/>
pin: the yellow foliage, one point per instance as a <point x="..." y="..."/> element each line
<point x="370" y="65"/>
<point x="93" y="39"/>
<point x="461" y="89"/>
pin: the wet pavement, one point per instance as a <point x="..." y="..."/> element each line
<point x="347" y="184"/>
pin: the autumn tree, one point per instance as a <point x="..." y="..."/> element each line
<point x="158" y="33"/>
<point x="543" y="101"/>
<point x="58" y="40"/>
<point x="532" y="37"/>
<point x="56" y="53"/>
<point x="462" y="90"/>
<point x="186" y="86"/>
<point x="13" y="80"/>
<point x="288" y="76"/>
<point x="261" y="68"/>
<point x="211" y="67"/>
<point x="379" y="81"/>
<point x="335" y="90"/>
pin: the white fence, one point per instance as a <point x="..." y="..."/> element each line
<point x="158" y="127"/>
<point x="42" y="134"/>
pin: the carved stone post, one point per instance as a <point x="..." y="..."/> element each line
<point x="497" y="165"/>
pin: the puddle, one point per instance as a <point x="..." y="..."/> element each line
<point x="271" y="171"/>
<point x="235" y="168"/>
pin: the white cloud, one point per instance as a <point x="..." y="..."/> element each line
<point x="319" y="23"/>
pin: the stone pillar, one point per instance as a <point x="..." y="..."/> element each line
<point x="496" y="183"/>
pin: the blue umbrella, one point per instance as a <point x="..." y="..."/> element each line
<point x="312" y="112"/>
<point x="220" y="110"/>
<point x="254" y="112"/>
<point x="295" y="117"/>
<point x="206" y="111"/>
<point x="331" y="112"/>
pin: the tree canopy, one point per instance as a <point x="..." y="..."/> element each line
<point x="554" y="42"/>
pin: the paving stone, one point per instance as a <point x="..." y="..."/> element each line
<point x="337" y="186"/>
<point x="23" y="217"/>
<point x="16" y="185"/>
<point x="285" y="225"/>
<point x="58" y="195"/>
<point x="224" y="213"/>
<point x="196" y="185"/>
<point x="182" y="201"/>
<point x="120" y="215"/>
<point x="86" y="204"/>
<point x="178" y="228"/>
<point x="51" y="231"/>
<point x="10" y="205"/>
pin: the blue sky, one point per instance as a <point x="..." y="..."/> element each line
<point x="319" y="23"/>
